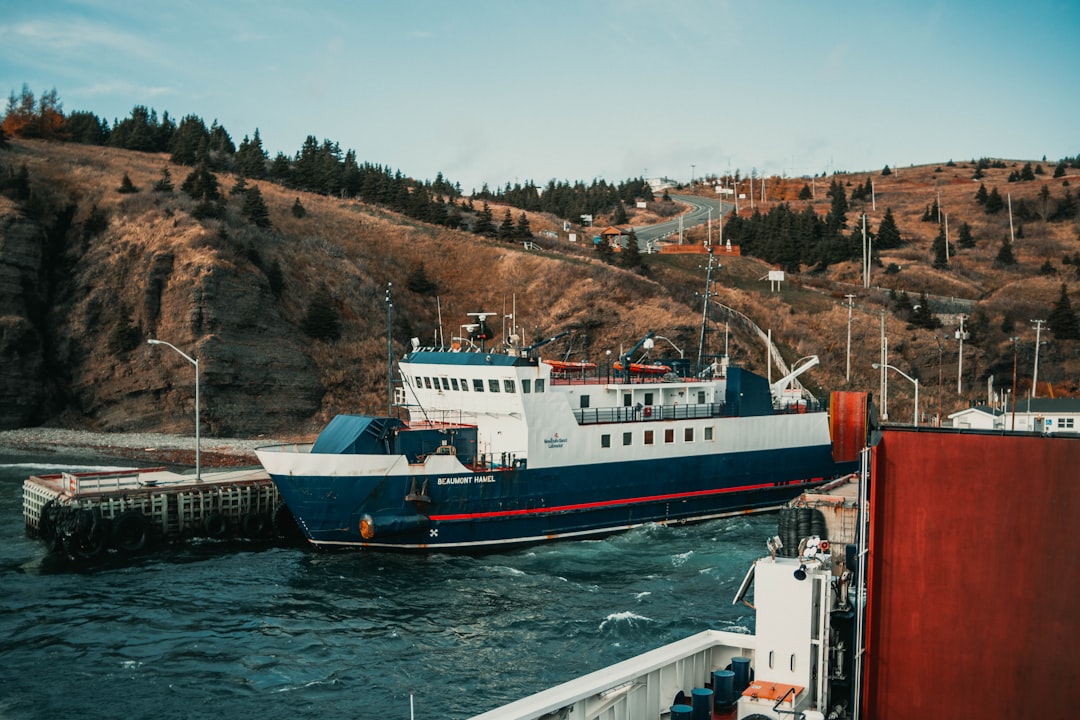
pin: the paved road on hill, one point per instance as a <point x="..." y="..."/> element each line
<point x="698" y="215"/>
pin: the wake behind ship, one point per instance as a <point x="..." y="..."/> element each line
<point x="502" y="448"/>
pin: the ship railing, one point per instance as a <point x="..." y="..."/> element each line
<point x="648" y="413"/>
<point x="641" y="687"/>
<point x="805" y="405"/>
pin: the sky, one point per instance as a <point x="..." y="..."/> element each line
<point x="498" y="91"/>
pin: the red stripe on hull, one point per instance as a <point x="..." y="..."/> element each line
<point x="603" y="504"/>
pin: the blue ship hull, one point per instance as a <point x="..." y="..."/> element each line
<point x="522" y="505"/>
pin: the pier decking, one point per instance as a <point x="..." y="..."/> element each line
<point x="87" y="514"/>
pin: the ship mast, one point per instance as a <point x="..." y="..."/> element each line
<point x="705" y="308"/>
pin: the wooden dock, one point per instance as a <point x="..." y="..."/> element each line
<point x="86" y="515"/>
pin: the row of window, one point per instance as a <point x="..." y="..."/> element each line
<point x="648" y="437"/>
<point x="493" y="384"/>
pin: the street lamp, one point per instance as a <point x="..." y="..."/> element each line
<point x="878" y="366"/>
<point x="193" y="361"/>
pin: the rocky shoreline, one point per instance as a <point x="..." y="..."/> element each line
<point x="144" y="447"/>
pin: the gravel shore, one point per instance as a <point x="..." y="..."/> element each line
<point x="150" y="447"/>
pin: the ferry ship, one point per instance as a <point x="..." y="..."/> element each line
<point x="503" y="448"/>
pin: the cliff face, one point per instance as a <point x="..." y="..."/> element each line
<point x="22" y="365"/>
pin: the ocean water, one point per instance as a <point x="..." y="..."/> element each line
<point x="240" y="630"/>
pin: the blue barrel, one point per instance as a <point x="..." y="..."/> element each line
<point x="701" y="701"/>
<point x="741" y="667"/>
<point x="682" y="712"/>
<point x="723" y="686"/>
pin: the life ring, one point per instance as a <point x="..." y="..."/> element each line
<point x="130" y="531"/>
<point x="647" y="411"/>
<point x="216" y="525"/>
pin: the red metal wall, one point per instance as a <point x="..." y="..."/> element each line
<point x="974" y="576"/>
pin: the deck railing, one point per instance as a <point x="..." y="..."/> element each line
<point x="648" y="413"/>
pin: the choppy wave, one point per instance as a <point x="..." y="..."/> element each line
<point x="272" y="633"/>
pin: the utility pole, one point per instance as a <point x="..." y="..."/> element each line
<point x="1035" y="378"/>
<point x="851" y="304"/>
<point x="1012" y="237"/>
<point x="946" y="237"/>
<point x="389" y="352"/>
<point x="961" y="336"/>
<point x="873" y="197"/>
<point x="1014" y="341"/>
<point x="940" y="353"/>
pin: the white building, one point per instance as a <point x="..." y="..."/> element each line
<point x="1045" y="415"/>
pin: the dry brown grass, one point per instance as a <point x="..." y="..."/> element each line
<point x="356" y="250"/>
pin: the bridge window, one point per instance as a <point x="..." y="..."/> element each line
<point x="688" y="434"/>
<point x="627" y="438"/>
<point x="648" y="437"/>
<point x="626" y="400"/>
<point x="419" y="382"/>
<point x="708" y="433"/>
<point x="584" y="401"/>
<point x="445" y="384"/>
<point x="464" y="385"/>
<point x="539" y="385"/>
<point x="605" y="441"/>
<point x="493" y="385"/>
<point x="701" y="397"/>
<point x="669" y="435"/>
<point x="508" y="385"/>
<point x="453" y="383"/>
<point x="648" y="398"/>
<point x="427" y="383"/>
<point x="526" y="386"/>
<point x="478" y="385"/>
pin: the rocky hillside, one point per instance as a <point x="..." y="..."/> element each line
<point x="89" y="273"/>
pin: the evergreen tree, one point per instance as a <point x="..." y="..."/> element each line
<point x="298" y="210"/>
<point x="164" y="184"/>
<point x="888" y="235"/>
<point x="1044" y="196"/>
<point x="981" y="194"/>
<point x="251" y="158"/>
<point x="506" y="227"/>
<point x="1062" y="319"/>
<point x="1005" y="257"/>
<point x="1066" y="208"/>
<point x="630" y="257"/>
<point x="189" y="137"/>
<point x="620" y="214"/>
<point x="604" y="250"/>
<point x="1027" y="173"/>
<point x="1059" y="170"/>
<point x="523" y="228"/>
<point x="126" y="186"/>
<point x="255" y="209"/>
<point x="994" y="203"/>
<point x="1047" y="269"/>
<point x="484" y="223"/>
<point x="837" y="218"/>
<point x="886" y="171"/>
<point x="240" y="187"/>
<point x="965" y="239"/>
<point x="201" y="184"/>
<point x="805" y="193"/>
<point x="4" y="144"/>
<point x="419" y="282"/>
<point x="921" y="316"/>
<point x="322" y="321"/>
<point x="940" y="249"/>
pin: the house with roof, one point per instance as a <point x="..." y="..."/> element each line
<point x="1043" y="415"/>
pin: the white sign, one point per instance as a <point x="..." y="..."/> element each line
<point x="776" y="276"/>
<point x="642" y="204"/>
<point x="572" y="237"/>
